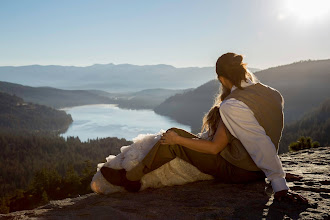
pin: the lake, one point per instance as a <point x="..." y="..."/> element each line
<point x="107" y="120"/>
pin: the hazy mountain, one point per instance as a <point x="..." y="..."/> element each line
<point x="145" y="99"/>
<point x="108" y="77"/>
<point x="189" y="108"/>
<point x="304" y="85"/>
<point x="52" y="97"/>
<point x="314" y="124"/>
<point x="58" y="98"/>
<point x="16" y="114"/>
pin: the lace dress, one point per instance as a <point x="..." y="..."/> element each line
<point x="175" y="172"/>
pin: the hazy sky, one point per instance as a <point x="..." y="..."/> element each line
<point x="179" y="33"/>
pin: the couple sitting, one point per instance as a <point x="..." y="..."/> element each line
<point x="240" y="142"/>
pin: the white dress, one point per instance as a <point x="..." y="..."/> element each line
<point x="175" y="172"/>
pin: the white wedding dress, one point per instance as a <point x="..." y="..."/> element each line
<point x="175" y="172"/>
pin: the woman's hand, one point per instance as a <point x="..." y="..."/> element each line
<point x="169" y="138"/>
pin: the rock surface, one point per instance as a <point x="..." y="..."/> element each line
<point x="206" y="199"/>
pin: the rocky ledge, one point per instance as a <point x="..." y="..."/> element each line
<point x="206" y="199"/>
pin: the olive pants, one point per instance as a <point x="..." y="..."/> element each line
<point x="211" y="164"/>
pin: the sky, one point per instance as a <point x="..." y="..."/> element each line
<point x="182" y="33"/>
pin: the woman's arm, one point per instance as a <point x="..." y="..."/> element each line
<point x="218" y="143"/>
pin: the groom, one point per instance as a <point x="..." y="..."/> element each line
<point x="244" y="146"/>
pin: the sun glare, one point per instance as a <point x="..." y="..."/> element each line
<point x="308" y="9"/>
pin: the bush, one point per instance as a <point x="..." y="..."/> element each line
<point x="303" y="143"/>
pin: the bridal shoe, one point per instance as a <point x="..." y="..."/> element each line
<point x="118" y="178"/>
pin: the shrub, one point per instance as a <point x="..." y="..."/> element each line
<point x="303" y="143"/>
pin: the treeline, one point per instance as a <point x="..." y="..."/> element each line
<point x="52" y="97"/>
<point x="35" y="167"/>
<point x="315" y="124"/>
<point x="16" y="114"/>
<point x="47" y="184"/>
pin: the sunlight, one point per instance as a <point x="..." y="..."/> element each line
<point x="307" y="9"/>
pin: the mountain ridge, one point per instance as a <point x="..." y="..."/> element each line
<point x="108" y="77"/>
<point x="61" y="98"/>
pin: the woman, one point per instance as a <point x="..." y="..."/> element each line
<point x="243" y="130"/>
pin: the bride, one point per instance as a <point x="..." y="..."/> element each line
<point x="175" y="172"/>
<point x="239" y="143"/>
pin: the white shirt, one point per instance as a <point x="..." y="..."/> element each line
<point x="241" y="123"/>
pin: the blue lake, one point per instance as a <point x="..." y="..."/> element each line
<point x="106" y="120"/>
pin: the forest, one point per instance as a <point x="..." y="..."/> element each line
<point x="36" y="164"/>
<point x="38" y="167"/>
<point x="314" y="124"/>
<point x="16" y="114"/>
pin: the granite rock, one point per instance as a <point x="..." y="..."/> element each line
<point x="206" y="199"/>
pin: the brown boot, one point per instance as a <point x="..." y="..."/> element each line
<point x="118" y="178"/>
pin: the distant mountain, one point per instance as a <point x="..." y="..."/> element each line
<point x="145" y="99"/>
<point x="108" y="77"/>
<point x="15" y="114"/>
<point x="58" y="98"/>
<point x="52" y="97"/>
<point x="304" y="85"/>
<point x="189" y="107"/>
<point x="314" y="124"/>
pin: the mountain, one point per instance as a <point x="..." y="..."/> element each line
<point x="59" y="98"/>
<point x="52" y="97"/>
<point x="314" y="124"/>
<point x="15" y="114"/>
<point x="108" y="77"/>
<point x="304" y="85"/>
<point x="189" y="107"/>
<point x="145" y="99"/>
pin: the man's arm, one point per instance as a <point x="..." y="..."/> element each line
<point x="240" y="121"/>
<point x="242" y="124"/>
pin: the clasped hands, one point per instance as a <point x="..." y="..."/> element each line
<point x="169" y="137"/>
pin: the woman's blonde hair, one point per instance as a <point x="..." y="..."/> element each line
<point x="230" y="66"/>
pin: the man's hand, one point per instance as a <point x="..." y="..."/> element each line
<point x="290" y="195"/>
<point x="169" y="137"/>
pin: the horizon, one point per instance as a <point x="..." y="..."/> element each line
<point x="180" y="34"/>
<point x="47" y="65"/>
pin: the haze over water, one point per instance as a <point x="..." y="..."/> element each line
<point x="107" y="120"/>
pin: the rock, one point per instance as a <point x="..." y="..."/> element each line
<point x="206" y="199"/>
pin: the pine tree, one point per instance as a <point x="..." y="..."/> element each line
<point x="44" y="197"/>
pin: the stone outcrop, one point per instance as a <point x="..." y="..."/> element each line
<point x="206" y="199"/>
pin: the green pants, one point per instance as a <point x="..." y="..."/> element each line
<point x="211" y="164"/>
